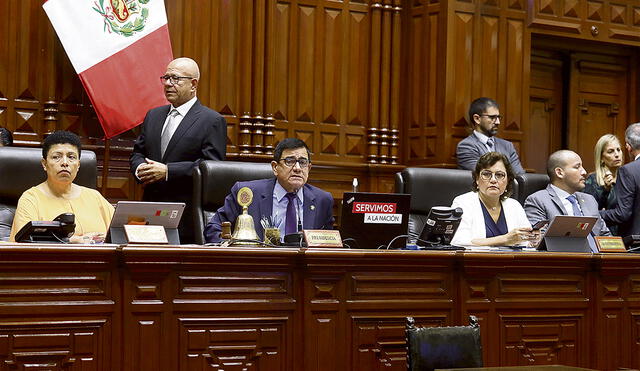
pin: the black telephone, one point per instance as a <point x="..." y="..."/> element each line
<point x="57" y="231"/>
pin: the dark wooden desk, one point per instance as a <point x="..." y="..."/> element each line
<point x="135" y="308"/>
<point x="520" y="368"/>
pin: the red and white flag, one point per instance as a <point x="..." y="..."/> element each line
<point x="119" y="48"/>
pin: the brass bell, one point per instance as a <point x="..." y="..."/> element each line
<point x="245" y="228"/>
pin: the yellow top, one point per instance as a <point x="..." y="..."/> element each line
<point x="93" y="212"/>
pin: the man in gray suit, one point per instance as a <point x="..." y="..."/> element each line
<point x="484" y="115"/>
<point x="563" y="196"/>
<point x="627" y="188"/>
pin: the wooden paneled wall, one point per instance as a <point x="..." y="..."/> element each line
<point x="371" y="85"/>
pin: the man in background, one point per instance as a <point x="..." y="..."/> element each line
<point x="484" y="116"/>
<point x="626" y="213"/>
<point x="563" y="196"/>
<point x="174" y="139"/>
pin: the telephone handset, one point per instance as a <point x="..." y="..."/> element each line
<point x="56" y="231"/>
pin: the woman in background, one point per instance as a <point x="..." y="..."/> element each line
<point x="490" y="217"/>
<point x="608" y="157"/>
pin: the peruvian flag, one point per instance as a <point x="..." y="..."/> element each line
<point x="119" y="48"/>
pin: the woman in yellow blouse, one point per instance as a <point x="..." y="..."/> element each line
<point x="58" y="194"/>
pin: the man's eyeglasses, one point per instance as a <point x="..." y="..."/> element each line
<point x="487" y="175"/>
<point x="173" y="80"/>
<point x="493" y="118"/>
<point x="291" y="161"/>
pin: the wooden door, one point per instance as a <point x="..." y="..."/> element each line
<point x="545" y="108"/>
<point x="578" y="92"/>
<point x="598" y="101"/>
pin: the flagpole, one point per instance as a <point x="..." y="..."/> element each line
<point x="105" y="166"/>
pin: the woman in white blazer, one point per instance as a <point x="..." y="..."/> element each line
<point x="490" y="217"/>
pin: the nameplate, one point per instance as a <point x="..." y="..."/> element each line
<point x="322" y="238"/>
<point x="610" y="244"/>
<point x="153" y="234"/>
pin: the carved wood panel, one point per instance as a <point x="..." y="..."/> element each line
<point x="552" y="338"/>
<point x="236" y="343"/>
<point x="605" y="21"/>
<point x="54" y="344"/>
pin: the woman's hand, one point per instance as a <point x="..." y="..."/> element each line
<point x="518" y="235"/>
<point x="88" y="238"/>
<point x="608" y="180"/>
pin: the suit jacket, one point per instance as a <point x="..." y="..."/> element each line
<point x="471" y="148"/>
<point x="202" y="135"/>
<point x="472" y="224"/>
<point x="545" y="205"/>
<point x="317" y="213"/>
<point x="627" y="190"/>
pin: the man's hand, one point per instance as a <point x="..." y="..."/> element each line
<point x="152" y="172"/>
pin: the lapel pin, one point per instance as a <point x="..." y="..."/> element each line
<point x="313" y="207"/>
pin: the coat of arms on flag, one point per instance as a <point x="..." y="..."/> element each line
<point x="124" y="17"/>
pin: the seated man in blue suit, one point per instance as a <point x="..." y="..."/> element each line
<point x="563" y="196"/>
<point x="484" y="116"/>
<point x="287" y="199"/>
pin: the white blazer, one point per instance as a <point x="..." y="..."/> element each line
<point x="472" y="223"/>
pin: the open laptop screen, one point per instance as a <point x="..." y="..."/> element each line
<point x="373" y="219"/>
<point x="166" y="214"/>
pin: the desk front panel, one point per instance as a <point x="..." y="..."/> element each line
<point x="137" y="308"/>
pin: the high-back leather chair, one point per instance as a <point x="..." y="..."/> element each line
<point x="530" y="183"/>
<point x="21" y="169"/>
<point x="212" y="182"/>
<point x="432" y="187"/>
<point x="430" y="348"/>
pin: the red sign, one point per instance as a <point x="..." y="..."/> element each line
<point x="374" y="207"/>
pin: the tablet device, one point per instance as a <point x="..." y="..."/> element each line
<point x="166" y="214"/>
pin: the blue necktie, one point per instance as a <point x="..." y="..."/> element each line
<point x="490" y="144"/>
<point x="578" y="212"/>
<point x="291" y="221"/>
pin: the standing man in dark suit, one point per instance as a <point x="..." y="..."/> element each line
<point x="627" y="213"/>
<point x="484" y="115"/>
<point x="563" y="196"/>
<point x="174" y="139"/>
<point x="287" y="199"/>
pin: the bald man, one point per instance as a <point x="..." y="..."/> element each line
<point x="563" y="196"/>
<point x="174" y="139"/>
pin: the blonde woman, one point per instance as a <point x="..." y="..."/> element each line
<point x="608" y="159"/>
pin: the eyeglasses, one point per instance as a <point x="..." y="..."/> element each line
<point x="57" y="157"/>
<point x="291" y="162"/>
<point x="493" y="118"/>
<point x="487" y="175"/>
<point x="173" y="80"/>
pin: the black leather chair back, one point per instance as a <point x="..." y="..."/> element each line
<point x="21" y="169"/>
<point x="530" y="183"/>
<point x="430" y="187"/>
<point x="212" y="182"/>
<point x="430" y="348"/>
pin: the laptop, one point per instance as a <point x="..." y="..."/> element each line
<point x="370" y="220"/>
<point x="166" y="214"/>
<point x="568" y="234"/>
